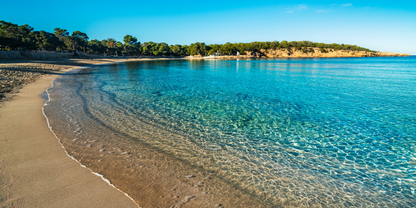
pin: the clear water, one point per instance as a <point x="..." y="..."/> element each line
<point x="317" y="132"/>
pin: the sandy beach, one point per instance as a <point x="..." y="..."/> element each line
<point x="34" y="168"/>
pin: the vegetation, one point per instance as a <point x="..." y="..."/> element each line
<point x="24" y="37"/>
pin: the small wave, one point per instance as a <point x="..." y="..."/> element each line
<point x="47" y="100"/>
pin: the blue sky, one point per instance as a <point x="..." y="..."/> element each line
<point x="378" y="25"/>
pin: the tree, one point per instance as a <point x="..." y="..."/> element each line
<point x="227" y="48"/>
<point x="274" y="44"/>
<point x="283" y="44"/>
<point x="145" y="48"/>
<point x="14" y="36"/>
<point x="136" y="48"/>
<point x="95" y="46"/>
<point x="79" y="39"/>
<point x="45" y="40"/>
<point x="311" y="50"/>
<point x="184" y="51"/>
<point x="60" y="33"/>
<point x="197" y="49"/>
<point x="213" y="49"/>
<point x="23" y="35"/>
<point x="110" y="44"/>
<point x="164" y="49"/>
<point x="129" y="41"/>
<point x="119" y="47"/>
<point x="175" y="49"/>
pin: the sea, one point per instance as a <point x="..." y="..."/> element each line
<point x="315" y="132"/>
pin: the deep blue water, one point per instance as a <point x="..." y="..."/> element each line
<point x="329" y="132"/>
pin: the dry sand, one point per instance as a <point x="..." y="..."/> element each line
<point x="34" y="168"/>
<point x="36" y="172"/>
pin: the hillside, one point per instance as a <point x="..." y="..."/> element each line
<point x="306" y="53"/>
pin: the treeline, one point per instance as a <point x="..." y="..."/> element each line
<point x="24" y="37"/>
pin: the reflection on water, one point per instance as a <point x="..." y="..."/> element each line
<point x="312" y="132"/>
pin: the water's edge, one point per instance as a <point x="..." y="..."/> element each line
<point x="329" y="132"/>
<point x="76" y="70"/>
<point x="206" y="196"/>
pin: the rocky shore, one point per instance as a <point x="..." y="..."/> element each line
<point x="310" y="53"/>
<point x="14" y="74"/>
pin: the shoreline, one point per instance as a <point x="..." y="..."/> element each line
<point x="63" y="147"/>
<point x="34" y="171"/>
<point x="20" y="125"/>
<point x="14" y="74"/>
<point x="285" y="53"/>
<point x="134" y="166"/>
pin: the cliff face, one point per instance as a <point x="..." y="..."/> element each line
<point x="285" y="53"/>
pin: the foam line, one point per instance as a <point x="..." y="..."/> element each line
<point x="76" y="70"/>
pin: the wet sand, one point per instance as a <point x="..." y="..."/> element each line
<point x="34" y="168"/>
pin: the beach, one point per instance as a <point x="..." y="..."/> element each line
<point x="34" y="168"/>
<point x="37" y="171"/>
<point x="126" y="109"/>
<point x="169" y="133"/>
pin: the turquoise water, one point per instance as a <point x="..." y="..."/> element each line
<point x="318" y="132"/>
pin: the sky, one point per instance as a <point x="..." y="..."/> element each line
<point x="378" y="25"/>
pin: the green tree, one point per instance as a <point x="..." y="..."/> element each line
<point x="62" y="35"/>
<point x="129" y="41"/>
<point x="95" y="46"/>
<point x="14" y="36"/>
<point x="110" y="45"/>
<point x="164" y="49"/>
<point x="283" y="44"/>
<point x="214" y="49"/>
<point x="197" y="49"/>
<point x="79" y="39"/>
<point x="226" y="48"/>
<point x="46" y="40"/>
<point x="175" y="49"/>
<point x="311" y="50"/>
<point x="184" y="51"/>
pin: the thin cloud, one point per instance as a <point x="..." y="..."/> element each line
<point x="323" y="11"/>
<point x="346" y="5"/>
<point x="302" y="7"/>
<point x="299" y="8"/>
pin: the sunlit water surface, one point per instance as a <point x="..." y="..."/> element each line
<point x="324" y="132"/>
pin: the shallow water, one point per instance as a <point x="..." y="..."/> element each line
<point x="306" y="132"/>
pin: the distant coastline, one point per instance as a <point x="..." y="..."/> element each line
<point x="317" y="53"/>
<point x="23" y="38"/>
<point x="269" y="53"/>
